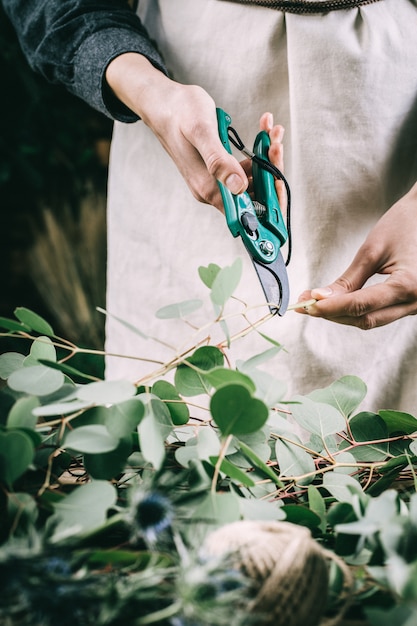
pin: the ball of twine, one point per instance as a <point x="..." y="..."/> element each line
<point x="288" y="568"/>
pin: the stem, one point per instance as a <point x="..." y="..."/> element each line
<point x="157" y="616"/>
<point x="223" y="449"/>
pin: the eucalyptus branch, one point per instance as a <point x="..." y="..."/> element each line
<point x="222" y="453"/>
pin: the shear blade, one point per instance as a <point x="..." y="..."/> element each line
<point x="274" y="280"/>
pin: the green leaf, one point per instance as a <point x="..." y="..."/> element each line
<point x="317" y="504"/>
<point x="9" y="363"/>
<point x="34" y="321"/>
<point x="224" y="376"/>
<point x="365" y="427"/>
<point x="127" y="325"/>
<point x="179" y="309"/>
<point x="83" y="510"/>
<point x="341" y="486"/>
<point x="13" y="325"/>
<point x="177" y="407"/>
<point x="21" y="414"/>
<point x="106" y="391"/>
<point x="208" y="274"/>
<point x="208" y="443"/>
<point x="92" y="439"/>
<point x="236" y="412"/>
<point x="255" y="509"/>
<point x="188" y="380"/>
<point x="41" y="348"/>
<point x="318" y="418"/>
<point x="301" y="515"/>
<point x="108" y="465"/>
<point x="263" y="357"/>
<point x="123" y="418"/>
<point x="226" y="282"/>
<point x="345" y="394"/>
<point x="294" y="461"/>
<point x="154" y="429"/>
<point x="60" y="408"/>
<point x="399" y="422"/>
<point x="66" y="369"/>
<point x="36" y="380"/>
<point x="16" y="454"/>
<point x="218" y="509"/>
<point x="259" y="463"/>
<point x="233" y="472"/>
<point x="268" y="389"/>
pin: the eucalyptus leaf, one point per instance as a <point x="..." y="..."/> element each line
<point x="123" y="418"/>
<point x="263" y="357"/>
<point x="179" y="309"/>
<point x="208" y="274"/>
<point x="36" y="380"/>
<point x="236" y="412"/>
<point x="220" y="376"/>
<point x="178" y="409"/>
<point x="225" y="283"/>
<point x="21" y="414"/>
<point x="268" y="389"/>
<point x="9" y="363"/>
<point x="124" y="323"/>
<point x="367" y="427"/>
<point x="16" y="454"/>
<point x="154" y="429"/>
<point x="60" y="408"/>
<point x="208" y="443"/>
<point x="345" y="394"/>
<point x="399" y="422"/>
<point x="13" y="325"/>
<point x="294" y="461"/>
<point x="106" y="391"/>
<point x="301" y="515"/>
<point x="233" y="472"/>
<point x="259" y="463"/>
<point x="189" y="381"/>
<point x="34" y="321"/>
<point x="108" y="465"/>
<point x="341" y="486"/>
<point x="66" y="369"/>
<point x="254" y="509"/>
<point x="41" y="348"/>
<point x="317" y="504"/>
<point x="83" y="510"/>
<point x="316" y="417"/>
<point x="217" y="509"/>
<point x="92" y="439"/>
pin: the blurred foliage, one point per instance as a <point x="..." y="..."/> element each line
<point x="53" y="156"/>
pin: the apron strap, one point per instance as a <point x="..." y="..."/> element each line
<point x="306" y="6"/>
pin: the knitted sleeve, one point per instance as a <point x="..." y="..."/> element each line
<point x="71" y="42"/>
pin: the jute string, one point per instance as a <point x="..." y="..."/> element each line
<point x="307" y="6"/>
<point x="288" y="568"/>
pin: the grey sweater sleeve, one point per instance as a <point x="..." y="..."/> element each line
<point x="71" y="42"/>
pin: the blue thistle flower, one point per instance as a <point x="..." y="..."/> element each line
<point x="152" y="514"/>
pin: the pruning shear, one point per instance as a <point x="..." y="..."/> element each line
<point x="259" y="222"/>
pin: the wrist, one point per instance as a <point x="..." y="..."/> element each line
<point x="132" y="79"/>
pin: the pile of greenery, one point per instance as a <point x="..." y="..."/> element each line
<point x="108" y="488"/>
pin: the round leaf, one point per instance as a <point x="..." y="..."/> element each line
<point x="21" y="414"/>
<point x="93" y="439"/>
<point x="106" y="392"/>
<point x="16" y="454"/>
<point x="9" y="363"/>
<point x="36" y="380"/>
<point x="226" y="282"/>
<point x="236" y="412"/>
<point x="178" y="409"/>
<point x="188" y="380"/>
<point x="34" y="321"/>
<point x="179" y="309"/>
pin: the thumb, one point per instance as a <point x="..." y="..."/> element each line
<point x="352" y="279"/>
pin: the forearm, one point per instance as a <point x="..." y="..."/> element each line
<point x="72" y="42"/>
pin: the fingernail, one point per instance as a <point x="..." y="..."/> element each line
<point x="235" y="183"/>
<point x="323" y="292"/>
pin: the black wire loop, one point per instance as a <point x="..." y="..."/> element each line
<point x="276" y="173"/>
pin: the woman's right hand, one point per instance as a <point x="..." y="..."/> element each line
<point x="183" y="117"/>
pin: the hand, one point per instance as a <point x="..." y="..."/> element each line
<point x="183" y="117"/>
<point x="391" y="249"/>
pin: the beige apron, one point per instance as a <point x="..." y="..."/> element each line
<point x="344" y="85"/>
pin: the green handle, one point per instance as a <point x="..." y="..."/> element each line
<point x="263" y="237"/>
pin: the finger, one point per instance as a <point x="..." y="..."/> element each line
<point x="367" y="308"/>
